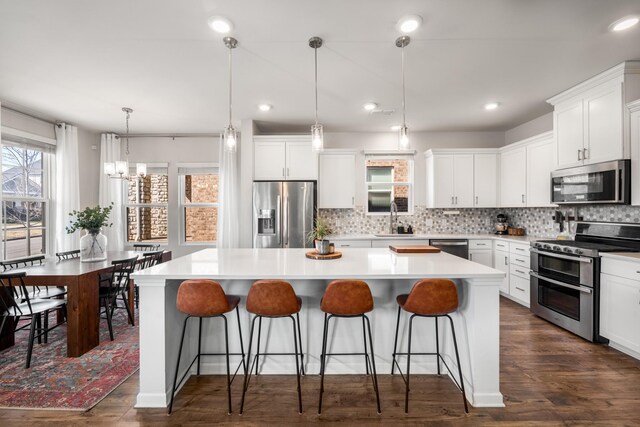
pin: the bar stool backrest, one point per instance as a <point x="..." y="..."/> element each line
<point x="62" y="256"/>
<point x="21" y="262"/>
<point x="202" y="298"/>
<point x="432" y="297"/>
<point x="272" y="298"/>
<point x="14" y="290"/>
<point x="347" y="298"/>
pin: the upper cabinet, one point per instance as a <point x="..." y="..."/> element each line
<point x="283" y="158"/>
<point x="634" y="110"/>
<point x="461" y="178"/>
<point x="336" y="180"/>
<point x="513" y="177"/>
<point x="589" y="120"/>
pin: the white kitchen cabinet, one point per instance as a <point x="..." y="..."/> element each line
<point x="351" y="243"/>
<point x="484" y="257"/>
<point x="620" y="304"/>
<point x="337" y="180"/>
<point x="284" y="158"/>
<point x="519" y="289"/>
<point x="461" y="178"/>
<point x="407" y="241"/>
<point x="540" y="164"/>
<point x="485" y="180"/>
<point x="634" y="120"/>
<point x="501" y="262"/>
<point x="513" y="177"/>
<point x="589" y="119"/>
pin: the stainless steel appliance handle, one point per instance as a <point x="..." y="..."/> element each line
<point x="286" y="209"/>
<point x="555" y="255"/>
<point x="617" y="185"/>
<point x="449" y="243"/>
<point x="564" y="285"/>
<point x="279" y="220"/>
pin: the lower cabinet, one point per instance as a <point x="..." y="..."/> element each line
<point x="385" y="243"/>
<point x="501" y="262"/>
<point x="352" y="244"/>
<point x="620" y="311"/>
<point x="519" y="288"/>
<point x="481" y="257"/>
<point x="513" y="259"/>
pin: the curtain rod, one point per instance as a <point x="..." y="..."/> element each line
<point x="171" y="135"/>
<point x="30" y="115"/>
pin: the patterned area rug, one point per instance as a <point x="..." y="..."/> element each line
<point x="55" y="381"/>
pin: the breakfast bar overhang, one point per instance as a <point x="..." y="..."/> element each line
<point x="387" y="273"/>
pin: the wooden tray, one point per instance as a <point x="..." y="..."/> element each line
<point x="414" y="249"/>
<point x="316" y="255"/>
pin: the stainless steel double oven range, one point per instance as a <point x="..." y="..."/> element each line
<point x="565" y="276"/>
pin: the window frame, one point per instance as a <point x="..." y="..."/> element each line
<point x="47" y="148"/>
<point x="126" y="204"/>
<point x="182" y="205"/>
<point x="410" y="184"/>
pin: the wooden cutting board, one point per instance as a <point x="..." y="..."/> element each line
<point x="414" y="249"/>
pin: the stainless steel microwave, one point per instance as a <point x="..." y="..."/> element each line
<point x="608" y="182"/>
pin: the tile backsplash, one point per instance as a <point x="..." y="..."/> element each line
<point x="536" y="221"/>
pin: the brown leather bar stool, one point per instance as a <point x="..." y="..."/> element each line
<point x="350" y="299"/>
<point x="274" y="299"/>
<point x="429" y="298"/>
<point x="206" y="299"/>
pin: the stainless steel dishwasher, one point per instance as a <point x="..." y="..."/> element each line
<point x="457" y="247"/>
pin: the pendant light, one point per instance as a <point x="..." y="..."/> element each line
<point x="403" y="131"/>
<point x="317" y="138"/>
<point x="120" y="168"/>
<point x="230" y="135"/>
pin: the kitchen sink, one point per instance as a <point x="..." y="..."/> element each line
<point x="395" y="235"/>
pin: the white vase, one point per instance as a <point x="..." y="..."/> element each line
<point x="93" y="247"/>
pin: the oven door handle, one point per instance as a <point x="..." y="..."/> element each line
<point x="555" y="255"/>
<point x="584" y="289"/>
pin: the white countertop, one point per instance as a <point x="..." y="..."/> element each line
<point x="382" y="263"/>
<point x="523" y="239"/>
<point x="625" y="256"/>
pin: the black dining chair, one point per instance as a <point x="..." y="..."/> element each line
<point x="114" y="283"/>
<point x="15" y="303"/>
<point x="63" y="256"/>
<point x="146" y="247"/>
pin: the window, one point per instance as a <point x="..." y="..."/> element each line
<point x="199" y="203"/>
<point x="147" y="205"/>
<point x="25" y="199"/>
<point x="389" y="178"/>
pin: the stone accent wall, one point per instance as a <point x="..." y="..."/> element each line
<point x="201" y="223"/>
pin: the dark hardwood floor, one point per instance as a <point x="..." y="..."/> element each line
<point x="548" y="377"/>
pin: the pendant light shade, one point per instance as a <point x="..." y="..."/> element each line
<point x="230" y="136"/>
<point x="403" y="131"/>
<point x="317" y="137"/>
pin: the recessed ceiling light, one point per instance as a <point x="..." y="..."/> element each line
<point x="265" y="107"/>
<point x="220" y="24"/>
<point x="491" y="105"/>
<point x="395" y="128"/>
<point x="409" y="24"/>
<point x="624" y="23"/>
<point x="370" y="106"/>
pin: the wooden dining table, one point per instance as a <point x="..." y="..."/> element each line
<point x="81" y="281"/>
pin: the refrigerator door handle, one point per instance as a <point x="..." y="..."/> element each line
<point x="278" y="220"/>
<point x="286" y="229"/>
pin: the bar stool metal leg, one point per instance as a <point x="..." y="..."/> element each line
<point x="395" y="343"/>
<point x="175" y="377"/>
<point x="437" y="345"/>
<point x="300" y="340"/>
<point x="295" y="346"/>
<point x="199" y="343"/>
<point x="244" y="361"/>
<point x="322" y="360"/>
<point x="248" y="376"/>
<point x="366" y="355"/>
<point x="258" y="344"/>
<point x="226" y="343"/>
<point x="373" y="365"/>
<point x="406" y="391"/>
<point x="455" y="346"/>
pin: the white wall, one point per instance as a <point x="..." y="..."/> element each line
<point x="419" y="141"/>
<point x="528" y="129"/>
<point x="89" y="170"/>
<point x="28" y="124"/>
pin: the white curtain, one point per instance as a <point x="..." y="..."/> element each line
<point x="229" y="199"/>
<point x="67" y="185"/>
<point x="111" y="191"/>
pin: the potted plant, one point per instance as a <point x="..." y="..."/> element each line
<point x="93" y="244"/>
<point x="318" y="233"/>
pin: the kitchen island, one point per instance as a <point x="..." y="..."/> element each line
<point x="387" y="273"/>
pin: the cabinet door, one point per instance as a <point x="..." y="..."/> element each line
<point x="302" y="161"/>
<point x="481" y="257"/>
<point x="519" y="288"/>
<point x="406" y="241"/>
<point x="501" y="262"/>
<point x="513" y="177"/>
<point x="539" y="167"/>
<point x="620" y="310"/>
<point x="336" y="181"/>
<point x="463" y="180"/>
<point x="269" y="160"/>
<point x="603" y="126"/>
<point x="635" y="157"/>
<point x="485" y="180"/>
<point x="443" y="181"/>
<point x="569" y="129"/>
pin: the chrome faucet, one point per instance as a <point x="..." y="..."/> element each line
<point x="393" y="208"/>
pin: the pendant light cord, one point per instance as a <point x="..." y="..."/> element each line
<point x="404" y="118"/>
<point x="315" y="51"/>
<point x="127" y="135"/>
<point x="230" y="86"/>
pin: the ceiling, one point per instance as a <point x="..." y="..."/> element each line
<point x="81" y="61"/>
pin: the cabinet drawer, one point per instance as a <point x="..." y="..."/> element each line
<point x="519" y="248"/>
<point x="519" y="289"/>
<point x="520" y="260"/>
<point x="500" y="245"/>
<point x="621" y="268"/>
<point x="480" y="244"/>
<point x="517" y="270"/>
<point x="385" y="243"/>
<point x="352" y="243"/>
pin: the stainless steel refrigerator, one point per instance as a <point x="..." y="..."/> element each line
<point x="283" y="213"/>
